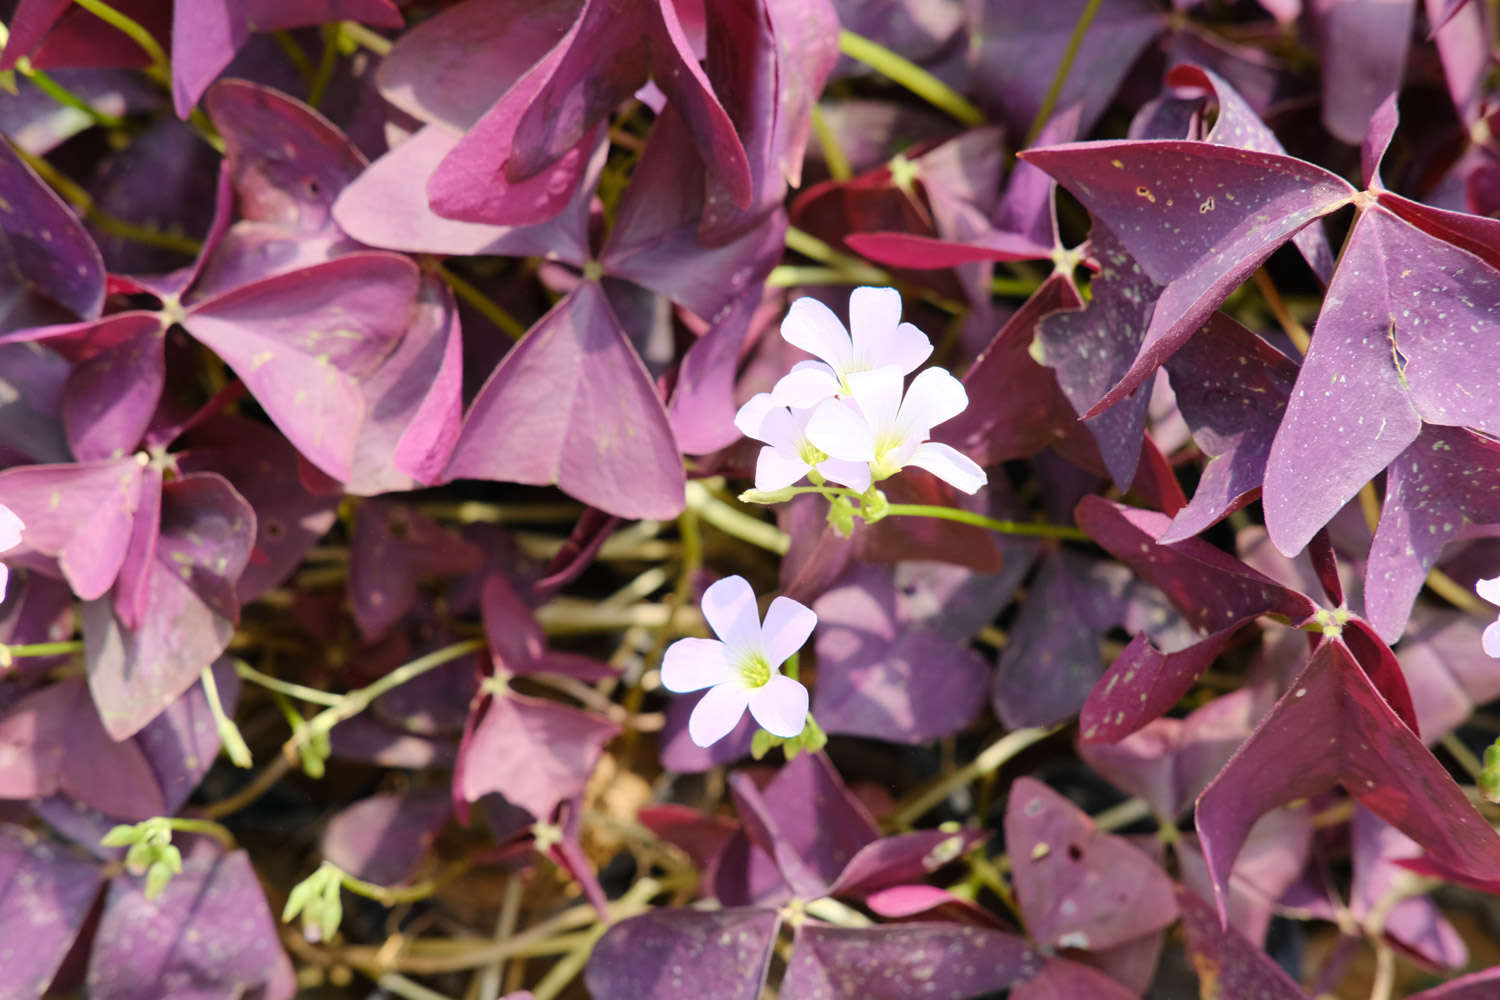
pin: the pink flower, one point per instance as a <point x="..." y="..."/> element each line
<point x="742" y="668"/>
<point x="1490" y="591"/>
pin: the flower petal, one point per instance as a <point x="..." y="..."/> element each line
<point x="1492" y="639"/>
<point x="907" y="349"/>
<point x="934" y="396"/>
<point x="748" y="418"/>
<point x="807" y="384"/>
<point x="842" y="432"/>
<point x="694" y="664"/>
<point x="729" y="606"/>
<point x="4" y="579"/>
<point x="949" y="465"/>
<point x="878" y="393"/>
<point x="788" y="624"/>
<point x="10" y="529"/>
<point x="717" y="713"/>
<point x="780" y="705"/>
<point x="873" y="316"/>
<point x="812" y="326"/>
<point x="776" y="468"/>
<point x="1489" y="590"/>
<point x="855" y="475"/>
<point x="777" y="427"/>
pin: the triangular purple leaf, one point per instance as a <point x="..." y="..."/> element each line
<point x="394" y="546"/>
<point x="45" y="894"/>
<point x="1227" y="964"/>
<point x="44" y="244"/>
<point x="684" y="955"/>
<point x="900" y="961"/>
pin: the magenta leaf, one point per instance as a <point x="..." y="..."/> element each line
<point x="1475" y="986"/>
<point x="1388" y="356"/>
<point x="1340" y="731"/>
<point x="883" y="676"/>
<point x="702" y="406"/>
<point x="899" y="961"/>
<point x="1191" y="214"/>
<point x="206" y="35"/>
<point x="1232" y="389"/>
<point x="1061" y="979"/>
<point x="301" y="341"/>
<point x="47" y="893"/>
<point x="44" y="245"/>
<point x="394" y="547"/>
<point x="1077" y="887"/>
<point x="536" y="753"/>
<point x="208" y="934"/>
<point x="1227" y="964"/>
<point x="572" y="405"/>
<point x="901" y="859"/>
<point x="191" y="606"/>
<point x="383" y="838"/>
<point x="684" y="955"/>
<point x="115" y="385"/>
<point x="1443" y="483"/>
<point x="1363" y="44"/>
<point x="806" y="820"/>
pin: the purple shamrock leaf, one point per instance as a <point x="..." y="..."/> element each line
<point x="1416" y="922"/>
<point x="902" y="859"/>
<point x="1232" y="389"/>
<point x="1077" y="887"/>
<point x="1198" y="217"/>
<point x="1440" y="485"/>
<point x="393" y="548"/>
<point x="1091" y="349"/>
<point x="1440" y="657"/>
<point x="383" y="838"/>
<point x="883" y="676"/>
<point x="572" y="405"/>
<point x="1389" y="354"/>
<point x="899" y="961"/>
<point x="189" y="602"/>
<point x="32" y="383"/>
<point x="1475" y="986"/>
<point x="47" y="895"/>
<point x="684" y="955"/>
<point x="44" y="245"/>
<point x="1275" y="855"/>
<point x="806" y="820"/>
<point x="1340" y="730"/>
<point x="1363" y="44"/>
<point x="206" y="35"/>
<point x="302" y="340"/>
<point x="209" y="933"/>
<point x="1227" y="964"/>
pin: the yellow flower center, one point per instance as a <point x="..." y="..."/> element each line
<point x="755" y="671"/>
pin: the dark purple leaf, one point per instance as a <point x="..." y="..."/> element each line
<point x="78" y="514"/>
<point x="1144" y="682"/>
<point x="300" y="341"/>
<point x="900" y="961"/>
<point x="1389" y="354"/>
<point x="1191" y="214"/>
<point x="113" y="390"/>
<point x="1232" y="389"/>
<point x="1415" y="922"/>
<point x="1227" y="964"/>
<point x="1064" y="980"/>
<point x="209" y="934"/>
<point x="182" y="743"/>
<point x="572" y="405"/>
<point x="1443" y="483"/>
<point x="908" y="857"/>
<point x="1091" y="349"/>
<point x="1440" y="656"/>
<point x="806" y="820"/>
<point x="46" y="894"/>
<point x="1077" y="887"/>
<point x="1475" y="986"/>
<point x="393" y="548"/>
<point x="191" y="607"/>
<point x="54" y="33"/>
<point x="31" y="388"/>
<point x="684" y="955"/>
<point x="1363" y="44"/>
<point x="882" y="676"/>
<point x="702" y="407"/>
<point x="205" y="36"/>
<point x="43" y="243"/>
<point x="1275" y="854"/>
<point x="1015" y="407"/>
<point x="536" y="753"/>
<point x="1334" y="728"/>
<point x="1475" y="233"/>
<point x="382" y="839"/>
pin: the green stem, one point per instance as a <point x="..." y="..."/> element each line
<point x="810" y="246"/>
<point x="990" y="759"/>
<point x="736" y="523"/>
<point x="323" y="75"/>
<point x="45" y="648"/>
<point x="229" y="733"/>
<point x="793" y="276"/>
<point x="908" y="74"/>
<point x="1029" y="529"/>
<point x="203" y="826"/>
<point x="833" y="153"/>
<point x="301" y="691"/>
<point x="158" y="69"/>
<point x="1075" y="42"/>
<point x="483" y="304"/>
<point x="62" y="95"/>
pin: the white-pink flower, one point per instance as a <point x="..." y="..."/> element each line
<point x="789" y="455"/>
<point x="1490" y="591"/>
<point x="876" y="337"/>
<point x="742" y="668"/>
<point x="878" y="425"/>
<point x="10" y="536"/>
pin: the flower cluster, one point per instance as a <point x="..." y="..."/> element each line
<point x="847" y="418"/>
<point x="10" y="537"/>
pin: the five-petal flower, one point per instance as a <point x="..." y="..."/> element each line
<point x="789" y="455"/>
<point x="876" y="424"/>
<point x="876" y="338"/>
<point x="10" y="536"/>
<point x="1490" y="591"/>
<point x="742" y="668"/>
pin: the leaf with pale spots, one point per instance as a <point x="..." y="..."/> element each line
<point x="47" y="893"/>
<point x="675" y="954"/>
<point x="1227" y="964"/>
<point x="900" y="961"/>
<point x="209" y="933"/>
